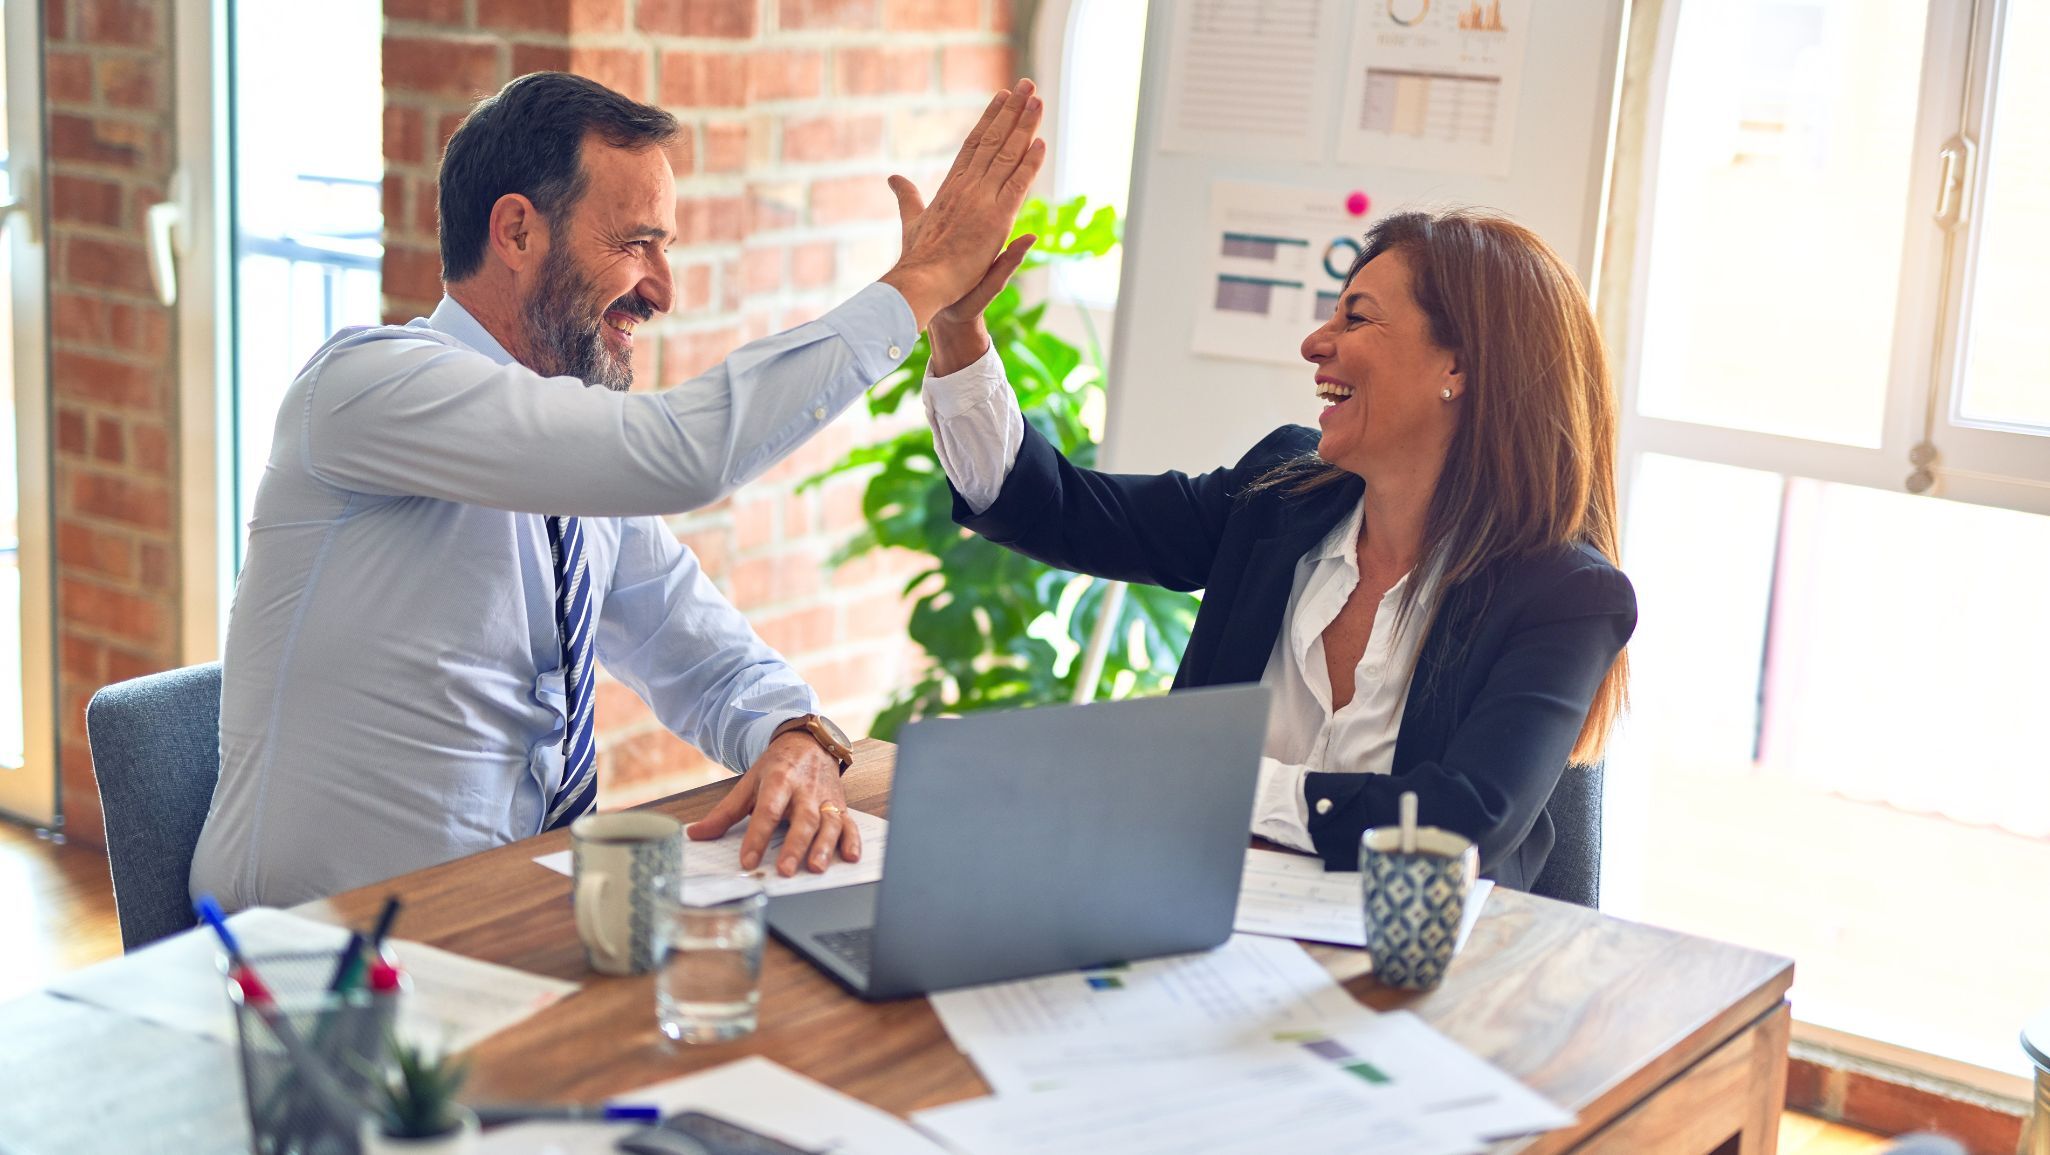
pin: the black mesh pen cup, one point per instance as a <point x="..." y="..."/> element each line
<point x="310" y="1057"/>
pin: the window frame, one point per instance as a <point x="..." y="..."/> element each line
<point x="206" y="512"/>
<point x="1979" y="465"/>
<point x="32" y="794"/>
<point x="1977" y="461"/>
<point x="1627" y="260"/>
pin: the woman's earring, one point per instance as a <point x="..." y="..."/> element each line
<point x="1446" y="393"/>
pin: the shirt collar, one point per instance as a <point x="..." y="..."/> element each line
<point x="1342" y="543"/>
<point x="451" y="319"/>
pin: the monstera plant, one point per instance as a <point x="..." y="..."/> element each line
<point x="1003" y="630"/>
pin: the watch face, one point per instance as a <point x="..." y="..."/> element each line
<point x="833" y="728"/>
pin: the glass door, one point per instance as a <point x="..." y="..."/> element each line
<point x="28" y="765"/>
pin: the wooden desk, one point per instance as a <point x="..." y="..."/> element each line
<point x="1661" y="1042"/>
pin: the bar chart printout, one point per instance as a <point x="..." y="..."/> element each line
<point x="1278" y="259"/>
<point x="1434" y="84"/>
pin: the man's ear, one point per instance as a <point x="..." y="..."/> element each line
<point x="517" y="234"/>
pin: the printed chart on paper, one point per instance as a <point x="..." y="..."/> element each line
<point x="1434" y="85"/>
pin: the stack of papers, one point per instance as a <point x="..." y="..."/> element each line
<point x="455" y="1002"/>
<point x="1251" y="1047"/>
<point x="720" y="859"/>
<point x="1292" y="896"/>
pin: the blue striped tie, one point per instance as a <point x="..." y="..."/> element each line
<point x="579" y="789"/>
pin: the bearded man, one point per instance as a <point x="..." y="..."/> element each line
<point x="460" y="516"/>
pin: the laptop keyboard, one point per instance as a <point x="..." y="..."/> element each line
<point x="852" y="947"/>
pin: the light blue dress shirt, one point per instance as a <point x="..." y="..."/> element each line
<point x="392" y="691"/>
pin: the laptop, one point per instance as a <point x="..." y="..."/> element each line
<point x="1034" y="841"/>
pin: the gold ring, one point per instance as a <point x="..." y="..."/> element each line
<point x="828" y="808"/>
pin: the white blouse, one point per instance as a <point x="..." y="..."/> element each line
<point x="977" y="431"/>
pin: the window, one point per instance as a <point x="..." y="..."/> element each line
<point x="308" y="217"/>
<point x="1834" y="749"/>
<point x="1097" y="45"/>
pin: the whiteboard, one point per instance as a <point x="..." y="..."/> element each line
<point x="1172" y="407"/>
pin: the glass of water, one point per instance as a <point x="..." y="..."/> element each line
<point x="709" y="986"/>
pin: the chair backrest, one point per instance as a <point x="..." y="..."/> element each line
<point x="1573" y="872"/>
<point x="156" y="744"/>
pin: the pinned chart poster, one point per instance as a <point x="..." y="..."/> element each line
<point x="1238" y="79"/>
<point x="1435" y="84"/>
<point x="1278" y="256"/>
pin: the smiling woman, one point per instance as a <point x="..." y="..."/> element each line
<point x="1428" y="584"/>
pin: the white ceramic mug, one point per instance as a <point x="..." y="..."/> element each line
<point x="618" y="858"/>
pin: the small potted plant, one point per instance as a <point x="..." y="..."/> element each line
<point x="414" y="1111"/>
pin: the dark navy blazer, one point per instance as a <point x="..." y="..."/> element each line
<point x="1502" y="684"/>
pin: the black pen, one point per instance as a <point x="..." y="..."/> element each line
<point x="385" y="918"/>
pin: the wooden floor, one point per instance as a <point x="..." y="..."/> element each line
<point x="58" y="900"/>
<point x="61" y="899"/>
<point x="1807" y="1135"/>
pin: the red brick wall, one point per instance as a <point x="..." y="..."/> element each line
<point x="112" y="364"/>
<point x="795" y="111"/>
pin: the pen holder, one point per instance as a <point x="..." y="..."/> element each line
<point x="309" y="1057"/>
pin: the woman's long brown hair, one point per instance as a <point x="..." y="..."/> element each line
<point x="1532" y="465"/>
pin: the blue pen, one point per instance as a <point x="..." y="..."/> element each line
<point x="210" y="912"/>
<point x="492" y="1116"/>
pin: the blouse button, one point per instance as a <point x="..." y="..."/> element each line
<point x="1323" y="806"/>
<point x="896" y="351"/>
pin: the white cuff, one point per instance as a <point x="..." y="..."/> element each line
<point x="976" y="426"/>
<point x="1279" y="813"/>
<point x="975" y="383"/>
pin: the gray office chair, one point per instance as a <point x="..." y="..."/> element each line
<point x="1573" y="872"/>
<point x="156" y="745"/>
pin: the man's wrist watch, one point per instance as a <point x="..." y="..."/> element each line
<point x="822" y="731"/>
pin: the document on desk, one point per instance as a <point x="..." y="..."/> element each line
<point x="454" y="1002"/>
<point x="1402" y="1057"/>
<point x="1282" y="1103"/>
<point x="88" y="1081"/>
<point x="721" y="858"/>
<point x="755" y="1093"/>
<point x="1293" y="896"/>
<point x="1061" y="1029"/>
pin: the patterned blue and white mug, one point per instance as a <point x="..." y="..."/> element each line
<point x="618" y="860"/>
<point x="1414" y="902"/>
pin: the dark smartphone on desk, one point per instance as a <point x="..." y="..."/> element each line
<point x="696" y="1133"/>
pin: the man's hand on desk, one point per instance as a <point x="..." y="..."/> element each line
<point x="796" y="779"/>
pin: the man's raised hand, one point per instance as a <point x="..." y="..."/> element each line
<point x="953" y="243"/>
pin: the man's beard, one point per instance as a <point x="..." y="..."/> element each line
<point x="562" y="340"/>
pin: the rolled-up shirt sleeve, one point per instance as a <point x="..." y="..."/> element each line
<point x="667" y="632"/>
<point x="393" y="416"/>
<point x="977" y="428"/>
